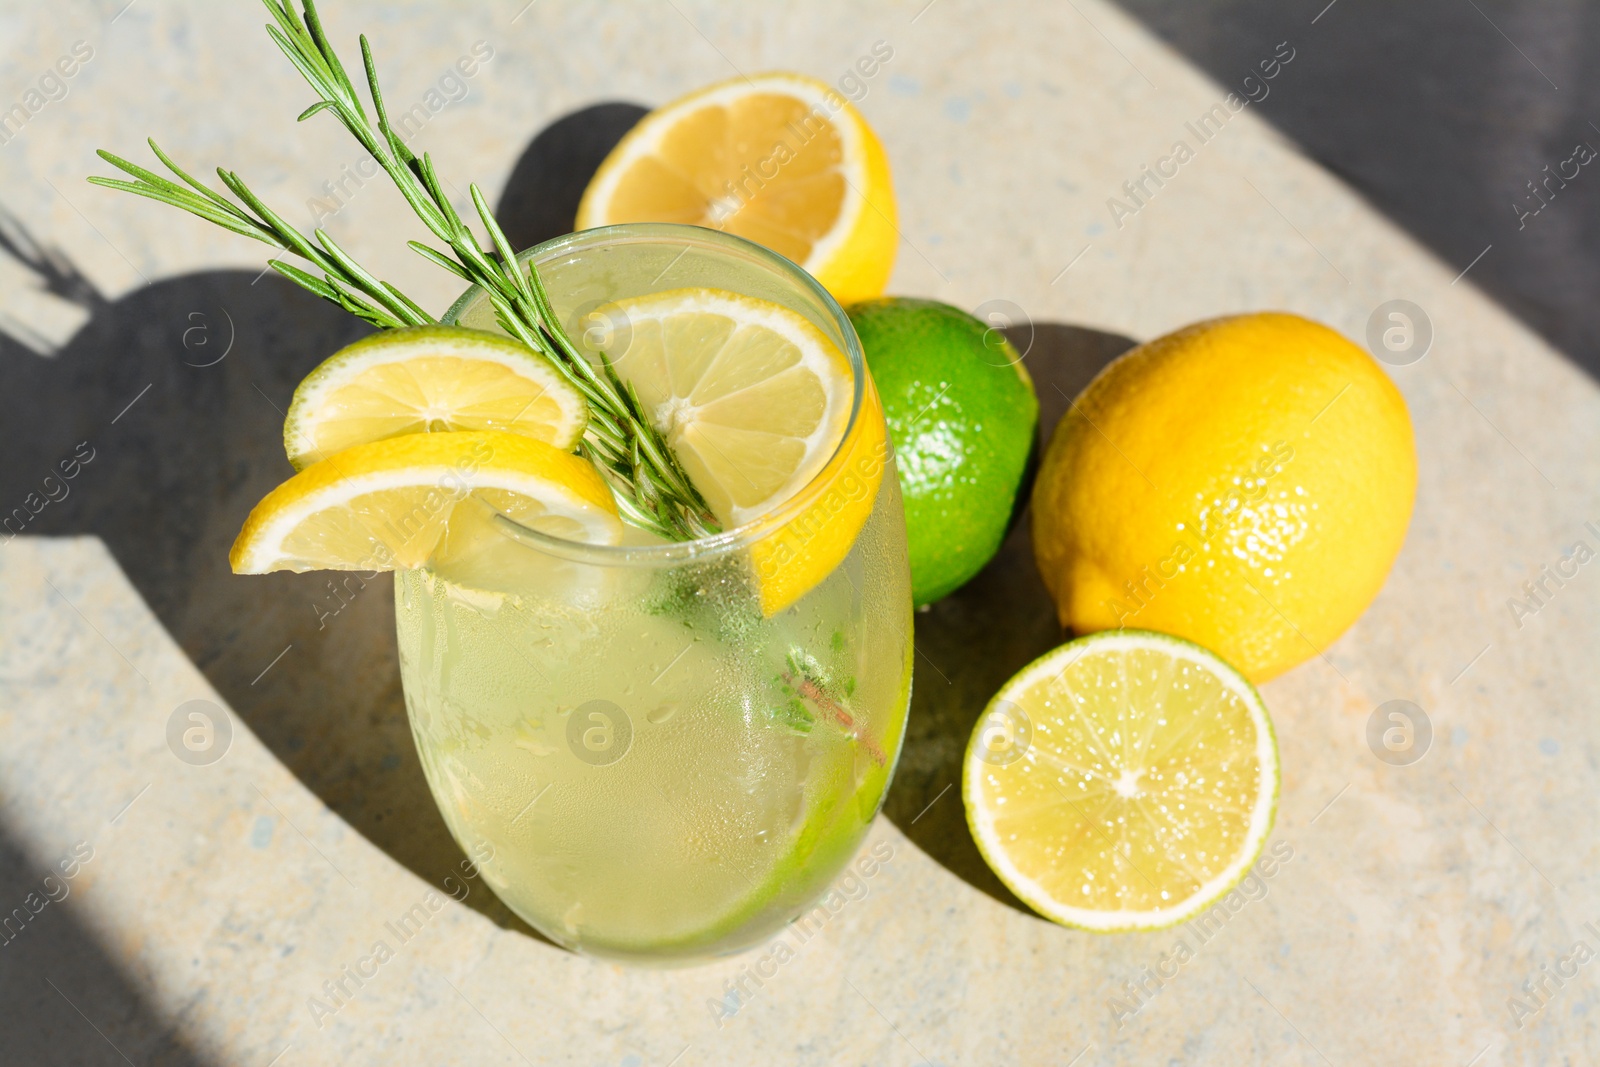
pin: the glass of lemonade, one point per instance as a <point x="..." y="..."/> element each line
<point x="649" y="765"/>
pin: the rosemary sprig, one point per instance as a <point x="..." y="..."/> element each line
<point x="653" y="490"/>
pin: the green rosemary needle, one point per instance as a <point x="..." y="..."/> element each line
<point x="653" y="491"/>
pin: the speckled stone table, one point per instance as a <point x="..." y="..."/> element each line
<point x="184" y="911"/>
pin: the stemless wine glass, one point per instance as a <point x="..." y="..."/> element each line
<point x="647" y="760"/>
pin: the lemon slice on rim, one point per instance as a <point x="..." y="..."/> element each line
<point x="404" y="501"/>
<point x="781" y="159"/>
<point x="828" y="514"/>
<point x="1125" y="781"/>
<point x="755" y="400"/>
<point x="751" y="396"/>
<point x="429" y="379"/>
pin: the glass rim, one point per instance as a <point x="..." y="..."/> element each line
<point x="739" y="537"/>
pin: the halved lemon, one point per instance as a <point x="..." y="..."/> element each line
<point x="405" y="501"/>
<point x="429" y="379"/>
<point x="755" y="400"/>
<point x="781" y="159"/>
<point x="1125" y="781"/>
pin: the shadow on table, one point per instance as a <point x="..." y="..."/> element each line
<point x="1430" y="112"/>
<point x="168" y="406"/>
<point x="541" y="196"/>
<point x="66" y="1002"/>
<point x="970" y="642"/>
<point x="176" y="392"/>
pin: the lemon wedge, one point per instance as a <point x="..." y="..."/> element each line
<point x="780" y="159"/>
<point x="405" y="501"/>
<point x="428" y="379"/>
<point x="827" y="514"/>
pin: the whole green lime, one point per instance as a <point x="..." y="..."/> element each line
<point x="961" y="412"/>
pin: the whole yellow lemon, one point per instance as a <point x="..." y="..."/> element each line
<point x="1244" y="482"/>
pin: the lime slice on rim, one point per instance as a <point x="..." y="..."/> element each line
<point x="424" y="379"/>
<point x="1124" y="781"/>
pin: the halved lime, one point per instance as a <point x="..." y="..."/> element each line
<point x="1124" y="781"/>
<point x="428" y="379"/>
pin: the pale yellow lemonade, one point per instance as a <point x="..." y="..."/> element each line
<point x="655" y="768"/>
